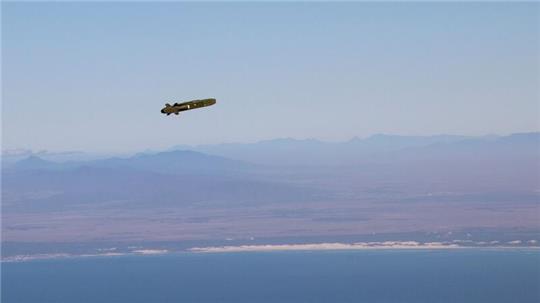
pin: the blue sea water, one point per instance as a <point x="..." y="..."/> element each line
<point x="319" y="276"/>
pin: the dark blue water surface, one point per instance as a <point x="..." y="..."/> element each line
<point x="339" y="276"/>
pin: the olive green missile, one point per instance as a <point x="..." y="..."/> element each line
<point x="176" y="108"/>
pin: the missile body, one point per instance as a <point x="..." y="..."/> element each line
<point x="176" y="108"/>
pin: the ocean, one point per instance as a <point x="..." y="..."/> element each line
<point x="461" y="275"/>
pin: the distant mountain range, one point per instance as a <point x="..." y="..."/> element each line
<point x="357" y="150"/>
<point x="143" y="180"/>
<point x="174" y="162"/>
<point x="495" y="161"/>
<point x="9" y="157"/>
<point x="235" y="157"/>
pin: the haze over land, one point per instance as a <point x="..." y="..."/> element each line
<point x="439" y="188"/>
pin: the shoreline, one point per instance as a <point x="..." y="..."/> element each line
<point x="359" y="246"/>
<point x="335" y="246"/>
<point x="326" y="246"/>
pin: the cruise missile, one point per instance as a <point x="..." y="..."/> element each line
<point x="176" y="108"/>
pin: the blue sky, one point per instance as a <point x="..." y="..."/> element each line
<point x="93" y="76"/>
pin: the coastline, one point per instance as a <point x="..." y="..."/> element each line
<point x="334" y="246"/>
<point x="327" y="246"/>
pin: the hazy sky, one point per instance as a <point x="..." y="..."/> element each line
<point x="94" y="77"/>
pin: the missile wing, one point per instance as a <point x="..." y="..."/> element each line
<point x="176" y="108"/>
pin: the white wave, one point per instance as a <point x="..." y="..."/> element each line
<point x="23" y="258"/>
<point x="150" y="251"/>
<point x="327" y="246"/>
